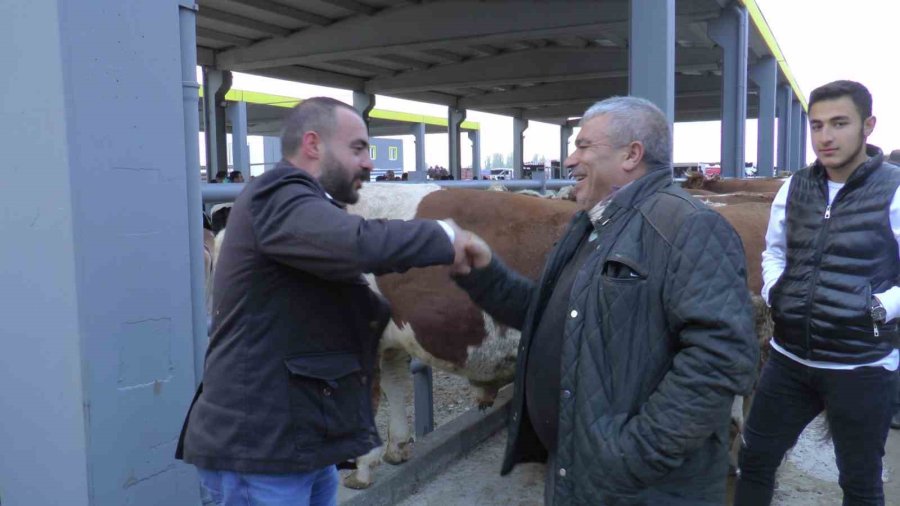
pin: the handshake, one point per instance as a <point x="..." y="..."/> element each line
<point x="471" y="251"/>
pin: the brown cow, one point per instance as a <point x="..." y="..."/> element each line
<point x="433" y="319"/>
<point x="755" y="185"/>
<point x="436" y="322"/>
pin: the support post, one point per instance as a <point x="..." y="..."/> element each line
<point x="363" y="103"/>
<point x="240" y="151"/>
<point x="651" y="53"/>
<point x="565" y="133"/>
<point x="519" y="127"/>
<point x="98" y="368"/>
<point x="730" y="31"/>
<point x="783" y="111"/>
<point x="796" y="120"/>
<point x="765" y="74"/>
<point x="216" y="84"/>
<point x="804" y="124"/>
<point x="475" y="137"/>
<point x="423" y="394"/>
<point x="271" y="152"/>
<point x="419" y="133"/>
<point x="455" y="117"/>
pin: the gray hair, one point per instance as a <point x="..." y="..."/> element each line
<point x="637" y="119"/>
<point x="317" y="114"/>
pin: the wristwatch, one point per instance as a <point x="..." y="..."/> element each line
<point x="878" y="312"/>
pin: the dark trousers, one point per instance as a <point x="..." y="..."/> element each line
<point x="858" y="405"/>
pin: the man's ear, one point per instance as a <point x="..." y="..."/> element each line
<point x="634" y="155"/>
<point x="311" y="145"/>
<point x="869" y="126"/>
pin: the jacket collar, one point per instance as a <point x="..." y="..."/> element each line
<point x="876" y="157"/>
<point x="634" y="193"/>
<point x="298" y="172"/>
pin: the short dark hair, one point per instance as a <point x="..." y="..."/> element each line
<point x="315" y="114"/>
<point x="861" y="97"/>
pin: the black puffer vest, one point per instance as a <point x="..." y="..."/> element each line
<point x="837" y="257"/>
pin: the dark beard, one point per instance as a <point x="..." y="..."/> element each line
<point x="338" y="184"/>
<point x="846" y="166"/>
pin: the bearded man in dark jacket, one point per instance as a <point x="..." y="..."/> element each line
<point x="638" y="334"/>
<point x="286" y="390"/>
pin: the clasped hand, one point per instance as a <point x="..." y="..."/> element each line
<point x="471" y="251"/>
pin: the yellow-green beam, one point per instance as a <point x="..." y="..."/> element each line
<point x="253" y="97"/>
<point x="760" y="22"/>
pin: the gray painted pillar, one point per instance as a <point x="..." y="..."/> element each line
<point x="271" y="152"/>
<point x="419" y="133"/>
<point x="796" y="121"/>
<point x="783" y="111"/>
<point x="730" y="31"/>
<point x="454" y="118"/>
<point x="804" y="124"/>
<point x="765" y="74"/>
<point x="240" y="150"/>
<point x="651" y="53"/>
<point x="364" y="103"/>
<point x="519" y="127"/>
<point x="565" y="133"/>
<point x="96" y="372"/>
<point x="475" y="137"/>
<point x="216" y="83"/>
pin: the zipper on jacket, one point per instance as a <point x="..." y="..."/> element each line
<point x="820" y="243"/>
<point x="875" y="328"/>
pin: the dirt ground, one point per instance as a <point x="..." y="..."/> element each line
<point x="807" y="478"/>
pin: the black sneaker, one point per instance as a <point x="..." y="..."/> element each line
<point x="895" y="421"/>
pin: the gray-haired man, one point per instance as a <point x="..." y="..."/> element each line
<point x="639" y="333"/>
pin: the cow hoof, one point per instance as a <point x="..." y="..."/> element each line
<point x="353" y="481"/>
<point x="399" y="454"/>
<point x="485" y="405"/>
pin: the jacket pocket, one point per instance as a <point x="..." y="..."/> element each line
<point x="328" y="396"/>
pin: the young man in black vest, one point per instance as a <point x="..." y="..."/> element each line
<point x="830" y="273"/>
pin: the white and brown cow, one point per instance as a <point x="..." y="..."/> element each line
<point x="433" y="319"/>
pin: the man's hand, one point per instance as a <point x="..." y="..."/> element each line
<point x="477" y="255"/>
<point x="460" y="239"/>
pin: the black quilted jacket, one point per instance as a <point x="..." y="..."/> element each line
<point x="658" y="340"/>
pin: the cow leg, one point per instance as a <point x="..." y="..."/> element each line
<point x="361" y="477"/>
<point x="485" y="395"/>
<point x="738" y="415"/>
<point x="395" y="381"/>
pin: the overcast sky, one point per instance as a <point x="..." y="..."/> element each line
<point x="822" y="40"/>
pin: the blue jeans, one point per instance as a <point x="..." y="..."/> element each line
<point x="227" y="488"/>
<point x="859" y="406"/>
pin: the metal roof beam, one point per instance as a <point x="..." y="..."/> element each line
<point x="352" y="6"/>
<point x="242" y="21"/>
<point x="290" y="12"/>
<point x="320" y="77"/>
<point x="400" y="29"/>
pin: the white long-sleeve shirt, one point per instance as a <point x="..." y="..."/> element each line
<point x="774" y="259"/>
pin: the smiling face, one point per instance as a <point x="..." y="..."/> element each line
<point x="839" y="135"/>
<point x="598" y="166"/>
<point x="345" y="161"/>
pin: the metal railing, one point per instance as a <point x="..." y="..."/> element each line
<point x="423" y="380"/>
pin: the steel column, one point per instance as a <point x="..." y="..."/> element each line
<point x="804" y="124"/>
<point x="783" y="111"/>
<point x="240" y="151"/>
<point x="651" y="53"/>
<point x="216" y="84"/>
<point x="765" y="74"/>
<point x="796" y="121"/>
<point x="475" y="137"/>
<point x="419" y="133"/>
<point x="730" y="31"/>
<point x="363" y="103"/>
<point x="519" y="127"/>
<point x="565" y="133"/>
<point x="455" y="117"/>
<point x="271" y="152"/>
<point x="97" y="368"/>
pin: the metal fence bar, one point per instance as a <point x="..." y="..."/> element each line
<point x="216" y="193"/>
<point x="423" y="396"/>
